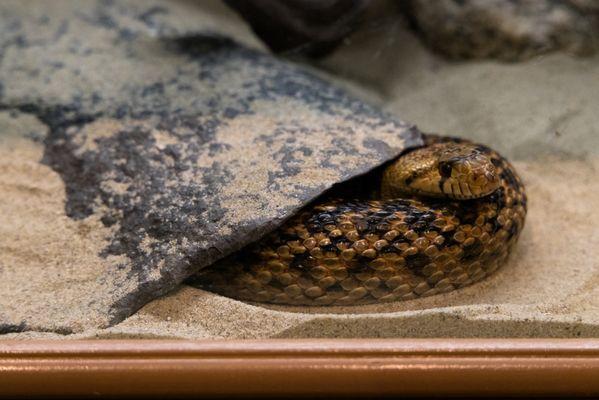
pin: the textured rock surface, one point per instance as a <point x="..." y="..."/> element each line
<point x="175" y="145"/>
<point x="507" y="30"/>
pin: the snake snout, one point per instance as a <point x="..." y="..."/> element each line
<point x="443" y="170"/>
<point x="473" y="176"/>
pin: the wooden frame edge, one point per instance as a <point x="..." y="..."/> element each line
<point x="300" y="367"/>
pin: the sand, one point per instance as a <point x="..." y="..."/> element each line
<point x="541" y="114"/>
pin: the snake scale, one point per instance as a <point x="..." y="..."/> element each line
<point x="445" y="215"/>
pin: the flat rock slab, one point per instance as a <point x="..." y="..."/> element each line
<point x="136" y="150"/>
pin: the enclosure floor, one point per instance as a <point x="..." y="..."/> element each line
<point x="541" y="114"/>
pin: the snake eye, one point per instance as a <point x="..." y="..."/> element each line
<point x="445" y="169"/>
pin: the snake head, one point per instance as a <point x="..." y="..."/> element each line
<point x="452" y="170"/>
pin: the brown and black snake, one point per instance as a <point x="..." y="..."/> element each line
<point x="445" y="215"/>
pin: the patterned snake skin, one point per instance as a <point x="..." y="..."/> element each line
<point x="446" y="216"/>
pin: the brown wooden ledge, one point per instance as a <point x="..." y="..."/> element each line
<point x="291" y="367"/>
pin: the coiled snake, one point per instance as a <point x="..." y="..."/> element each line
<point x="446" y="216"/>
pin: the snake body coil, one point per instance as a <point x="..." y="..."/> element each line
<point x="446" y="216"/>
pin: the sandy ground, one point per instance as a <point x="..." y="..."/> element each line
<point x="541" y="114"/>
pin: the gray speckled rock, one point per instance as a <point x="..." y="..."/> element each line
<point x="184" y="144"/>
<point x="508" y="30"/>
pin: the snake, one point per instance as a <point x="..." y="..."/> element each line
<point x="441" y="217"/>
